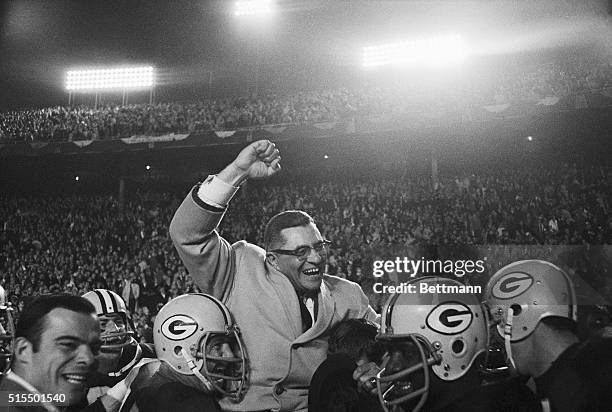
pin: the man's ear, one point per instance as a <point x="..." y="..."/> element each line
<point x="22" y="351"/>
<point x="272" y="260"/>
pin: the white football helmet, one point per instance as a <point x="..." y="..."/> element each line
<point x="182" y="331"/>
<point x="108" y="303"/>
<point x="523" y="293"/>
<point x="448" y="331"/>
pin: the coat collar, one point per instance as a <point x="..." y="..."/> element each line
<point x="327" y="305"/>
<point x="291" y="307"/>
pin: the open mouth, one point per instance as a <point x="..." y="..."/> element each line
<point x="75" y="378"/>
<point x="404" y="386"/>
<point x="312" y="272"/>
<point x="114" y="339"/>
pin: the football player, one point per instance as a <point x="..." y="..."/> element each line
<point x="201" y="359"/>
<point x="120" y="352"/>
<point x="436" y="344"/>
<point x="533" y="303"/>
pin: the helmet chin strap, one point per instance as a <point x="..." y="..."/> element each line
<point x="507" y="338"/>
<point x="135" y="359"/>
<point x="194" y="368"/>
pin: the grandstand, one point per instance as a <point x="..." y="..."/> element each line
<point x="394" y="162"/>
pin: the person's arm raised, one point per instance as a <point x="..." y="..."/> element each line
<point x="208" y="257"/>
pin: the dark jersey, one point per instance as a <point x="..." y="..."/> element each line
<point x="160" y="394"/>
<point x="333" y="388"/>
<point x="580" y="379"/>
<point x="511" y="395"/>
<point x="99" y="383"/>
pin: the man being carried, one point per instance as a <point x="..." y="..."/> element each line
<point x="279" y="295"/>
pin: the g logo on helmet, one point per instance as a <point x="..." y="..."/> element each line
<point x="512" y="285"/>
<point x="179" y="327"/>
<point x="450" y="318"/>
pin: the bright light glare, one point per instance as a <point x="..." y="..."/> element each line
<point x="252" y="7"/>
<point x="436" y="51"/>
<point x="530" y="138"/>
<point x="117" y="78"/>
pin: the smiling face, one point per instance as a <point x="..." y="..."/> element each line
<point x="113" y="335"/>
<point x="67" y="352"/>
<point x="305" y="275"/>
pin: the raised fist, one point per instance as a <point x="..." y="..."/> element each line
<point x="258" y="160"/>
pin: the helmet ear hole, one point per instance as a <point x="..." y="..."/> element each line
<point x="458" y="347"/>
<point x="177" y="350"/>
<point x="516" y="309"/>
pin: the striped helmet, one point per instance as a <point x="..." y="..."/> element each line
<point x="196" y="335"/>
<point x="111" y="307"/>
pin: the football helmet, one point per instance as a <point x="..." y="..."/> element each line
<point x="110" y="304"/>
<point x="184" y="331"/>
<point x="447" y="331"/>
<point x="523" y="293"/>
<point x="7" y="337"/>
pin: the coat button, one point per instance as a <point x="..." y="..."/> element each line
<point x="279" y="389"/>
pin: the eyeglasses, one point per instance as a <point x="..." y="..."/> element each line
<point x="303" y="252"/>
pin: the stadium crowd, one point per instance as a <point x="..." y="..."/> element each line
<point x="510" y="83"/>
<point x="81" y="242"/>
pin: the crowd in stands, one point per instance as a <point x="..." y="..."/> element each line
<point x="81" y="242"/>
<point x="485" y="85"/>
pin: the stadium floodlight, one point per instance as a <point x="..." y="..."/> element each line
<point x="115" y="78"/>
<point x="436" y="51"/>
<point x="253" y="7"/>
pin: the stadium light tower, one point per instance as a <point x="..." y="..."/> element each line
<point x="256" y="14"/>
<point x="113" y="79"/>
<point x="435" y="51"/>
<point x="254" y="8"/>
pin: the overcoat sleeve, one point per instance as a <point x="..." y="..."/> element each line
<point x="209" y="258"/>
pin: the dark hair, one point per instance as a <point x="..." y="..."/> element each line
<point x="284" y="220"/>
<point x="31" y="323"/>
<point x="356" y="338"/>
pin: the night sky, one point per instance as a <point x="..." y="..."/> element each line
<point x="311" y="44"/>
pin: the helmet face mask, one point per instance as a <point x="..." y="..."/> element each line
<point x="496" y="364"/>
<point x="116" y="331"/>
<point x="404" y="380"/>
<point x="438" y="335"/>
<point x="225" y="371"/>
<point x="195" y="335"/>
